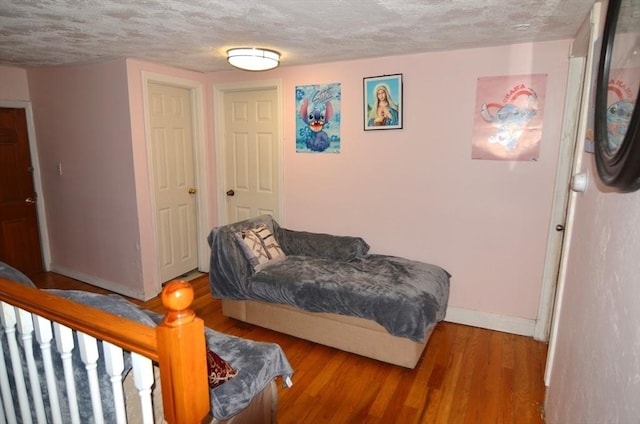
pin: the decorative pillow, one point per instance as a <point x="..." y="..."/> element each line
<point x="218" y="370"/>
<point x="260" y="247"/>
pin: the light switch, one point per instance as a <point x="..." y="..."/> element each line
<point x="59" y="168"/>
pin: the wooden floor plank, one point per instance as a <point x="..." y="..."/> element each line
<point x="466" y="374"/>
<point x="390" y="380"/>
<point x="491" y="394"/>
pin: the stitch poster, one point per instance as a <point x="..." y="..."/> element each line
<point x="508" y="117"/>
<point x="318" y="118"/>
<point x="622" y="91"/>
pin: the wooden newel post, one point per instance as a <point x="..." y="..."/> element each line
<point x="183" y="363"/>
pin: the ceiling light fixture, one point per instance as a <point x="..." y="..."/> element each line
<point x="253" y="59"/>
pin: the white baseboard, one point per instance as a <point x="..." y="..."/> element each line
<point x="506" y="324"/>
<point x="90" y="279"/>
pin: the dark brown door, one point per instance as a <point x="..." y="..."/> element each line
<point x="19" y="235"/>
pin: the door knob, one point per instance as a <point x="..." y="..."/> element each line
<point x="559" y="227"/>
<point x="579" y="182"/>
<point x="230" y="193"/>
<point x="192" y="190"/>
<point x="30" y="200"/>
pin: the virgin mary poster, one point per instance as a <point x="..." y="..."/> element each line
<point x="508" y="117"/>
<point x="383" y="102"/>
<point x="318" y="118"/>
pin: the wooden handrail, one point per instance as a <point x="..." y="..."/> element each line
<point x="177" y="344"/>
<point x="129" y="335"/>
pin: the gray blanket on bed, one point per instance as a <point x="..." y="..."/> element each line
<point x="326" y="273"/>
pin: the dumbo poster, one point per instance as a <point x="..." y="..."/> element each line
<point x="318" y="118"/>
<point x="508" y="117"/>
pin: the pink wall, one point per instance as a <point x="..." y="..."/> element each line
<point x="82" y="120"/>
<point x="91" y="120"/>
<point x="413" y="192"/>
<point x="416" y="192"/>
<point x="13" y="84"/>
<point x="596" y="371"/>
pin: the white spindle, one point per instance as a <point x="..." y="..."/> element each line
<point x="5" y="388"/>
<point x="44" y="335"/>
<point x="3" y="420"/>
<point x="25" y="329"/>
<point x="89" y="354"/>
<point x="26" y="324"/>
<point x="114" y="363"/>
<point x="64" y="343"/>
<point x="8" y="316"/>
<point x="143" y="378"/>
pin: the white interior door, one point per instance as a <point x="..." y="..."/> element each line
<point x="171" y="134"/>
<point x="559" y="223"/>
<point x="251" y="154"/>
<point x="584" y="57"/>
<point x="581" y="64"/>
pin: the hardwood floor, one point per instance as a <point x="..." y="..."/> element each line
<point x="466" y="375"/>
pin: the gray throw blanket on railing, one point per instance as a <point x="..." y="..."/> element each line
<point x="257" y="363"/>
<point x="327" y="273"/>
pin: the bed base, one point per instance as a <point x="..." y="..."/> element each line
<point x="351" y="334"/>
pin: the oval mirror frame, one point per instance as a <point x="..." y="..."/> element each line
<point x="617" y="123"/>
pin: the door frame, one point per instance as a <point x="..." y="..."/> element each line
<point x="569" y="163"/>
<point x="37" y="178"/>
<point x="196" y="92"/>
<point x="218" y="118"/>
<point x="559" y="210"/>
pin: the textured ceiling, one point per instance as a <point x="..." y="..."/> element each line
<point x="194" y="34"/>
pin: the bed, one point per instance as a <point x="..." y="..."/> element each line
<point x="75" y="357"/>
<point x="328" y="289"/>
